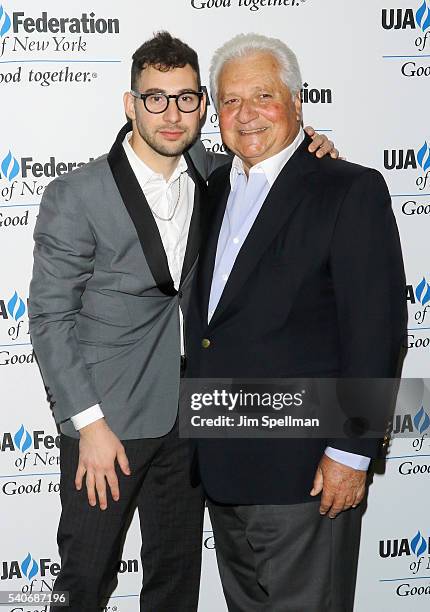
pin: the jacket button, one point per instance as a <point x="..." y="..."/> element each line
<point x="206" y="343"/>
<point x="180" y="295"/>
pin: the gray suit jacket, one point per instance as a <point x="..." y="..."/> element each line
<point x="103" y="309"/>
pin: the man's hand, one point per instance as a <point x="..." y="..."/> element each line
<point x="98" y="449"/>
<point x="342" y="486"/>
<point x="320" y="144"/>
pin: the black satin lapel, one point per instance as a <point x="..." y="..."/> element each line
<point x="140" y="213"/>
<point x="281" y="201"/>
<point x="126" y="128"/>
<point x="194" y="234"/>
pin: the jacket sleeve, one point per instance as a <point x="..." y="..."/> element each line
<point x="206" y="161"/>
<point x="369" y="286"/>
<point x="216" y="160"/>
<point x="63" y="263"/>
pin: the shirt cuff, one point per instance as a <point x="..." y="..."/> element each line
<point x="358" y="462"/>
<point x="86" y="417"/>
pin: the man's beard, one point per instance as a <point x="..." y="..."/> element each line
<point x="172" y="149"/>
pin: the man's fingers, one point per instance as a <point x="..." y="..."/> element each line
<point x="318" y="483"/>
<point x="358" y="497"/>
<point x="326" y="146"/>
<point x="90" y="481"/>
<point x="80" y="473"/>
<point x="101" y="491"/>
<point x="99" y="448"/>
<point x="336" y="508"/>
<point x="345" y="502"/>
<point x="112" y="479"/>
<point x="319" y="144"/>
<point x="123" y="461"/>
<point x="348" y="502"/>
<point x="326" y="502"/>
<point x="309" y="130"/>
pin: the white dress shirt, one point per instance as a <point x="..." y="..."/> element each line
<point x="164" y="197"/>
<point x="246" y="198"/>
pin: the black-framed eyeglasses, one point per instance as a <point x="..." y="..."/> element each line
<point x="187" y="101"/>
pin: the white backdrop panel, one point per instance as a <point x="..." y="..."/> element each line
<point x="366" y="67"/>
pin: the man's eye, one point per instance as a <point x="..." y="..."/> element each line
<point x="156" y="99"/>
<point x="265" y="96"/>
<point x="229" y="102"/>
<point x="186" y="98"/>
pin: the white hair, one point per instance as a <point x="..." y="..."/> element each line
<point x="248" y="44"/>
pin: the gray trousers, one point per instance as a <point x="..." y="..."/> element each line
<point x="171" y="522"/>
<point x="286" y="558"/>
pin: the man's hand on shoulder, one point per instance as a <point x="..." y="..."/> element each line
<point x="320" y="144"/>
<point x="342" y="487"/>
<point x="99" y="447"/>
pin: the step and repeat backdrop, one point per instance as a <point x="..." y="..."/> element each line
<point x="63" y="69"/>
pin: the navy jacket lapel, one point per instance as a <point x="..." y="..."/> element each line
<point x="210" y="229"/>
<point x="285" y="195"/>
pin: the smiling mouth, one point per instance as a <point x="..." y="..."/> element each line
<point x="256" y="131"/>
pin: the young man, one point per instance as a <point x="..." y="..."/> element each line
<point x="116" y="246"/>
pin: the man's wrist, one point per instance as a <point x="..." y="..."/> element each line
<point x="352" y="460"/>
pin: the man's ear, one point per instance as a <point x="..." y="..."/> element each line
<point x="298" y="106"/>
<point x="203" y="104"/>
<point x="129" y="105"/>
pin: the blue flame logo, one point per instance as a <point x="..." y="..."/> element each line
<point x="423" y="16"/>
<point x="418" y="544"/>
<point x="22" y="439"/>
<point x="422" y="292"/>
<point x="16" y="307"/>
<point x="29" y="567"/>
<point x="421" y="420"/>
<point x="423" y="157"/>
<point x="10" y="167"/>
<point x="4" y="22"/>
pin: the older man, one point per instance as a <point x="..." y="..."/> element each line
<point x="301" y="276"/>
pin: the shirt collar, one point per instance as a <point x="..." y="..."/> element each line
<point x="270" y="167"/>
<point x="144" y="172"/>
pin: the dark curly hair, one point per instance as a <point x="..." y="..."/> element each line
<point x="163" y="52"/>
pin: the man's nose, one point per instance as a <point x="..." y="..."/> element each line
<point x="247" y="111"/>
<point x="172" y="114"/>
